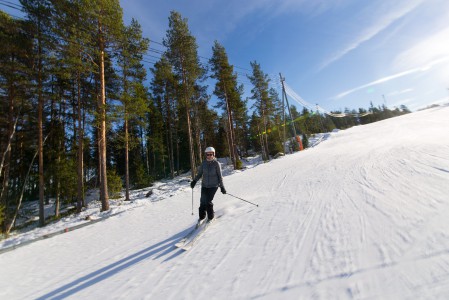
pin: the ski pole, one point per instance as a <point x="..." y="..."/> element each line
<point x="192" y="202"/>
<point x="242" y="199"/>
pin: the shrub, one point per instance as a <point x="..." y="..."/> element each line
<point x="68" y="183"/>
<point x="114" y="184"/>
<point x="142" y="179"/>
<point x="2" y="216"/>
<point x="238" y="164"/>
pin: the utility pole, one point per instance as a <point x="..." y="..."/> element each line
<point x="319" y="117"/>
<point x="283" y="113"/>
<point x="284" y="94"/>
<point x="385" y="100"/>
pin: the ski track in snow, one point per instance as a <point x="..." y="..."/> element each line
<point x="361" y="216"/>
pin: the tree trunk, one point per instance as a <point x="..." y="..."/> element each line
<point x="102" y="142"/>
<point x="264" y="155"/>
<point x="169" y="147"/>
<point x="99" y="180"/>
<point x="170" y="136"/>
<point x="178" y="171"/>
<point x="233" y="153"/>
<point x="228" y="142"/>
<point x="265" y="136"/>
<point x="192" y="150"/>
<point x="164" y="167"/>
<point x="40" y="133"/>
<point x="6" y="159"/>
<point x="154" y="163"/>
<point x="189" y="128"/>
<point x="126" y="158"/>
<point x="80" y="169"/>
<point x="148" y="157"/>
<point x="198" y="139"/>
<point x="13" y="220"/>
<point x="58" y="185"/>
<point x="234" y="140"/>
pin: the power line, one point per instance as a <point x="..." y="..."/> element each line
<point x="155" y="51"/>
<point x="149" y="55"/>
<point x="304" y="103"/>
<point x="10" y="5"/>
<point x="20" y="7"/>
<point x="157" y="43"/>
<point x="13" y="6"/>
<point x="242" y="68"/>
<point x="273" y="77"/>
<point x="147" y="58"/>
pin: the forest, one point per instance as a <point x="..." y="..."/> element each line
<point x="82" y="108"/>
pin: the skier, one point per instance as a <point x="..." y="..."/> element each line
<point x="210" y="171"/>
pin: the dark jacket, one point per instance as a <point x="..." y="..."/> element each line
<point x="211" y="173"/>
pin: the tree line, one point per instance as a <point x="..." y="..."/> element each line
<point x="78" y="108"/>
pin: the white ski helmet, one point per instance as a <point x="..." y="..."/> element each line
<point x="210" y="149"/>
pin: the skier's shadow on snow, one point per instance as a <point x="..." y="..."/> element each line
<point x="159" y="249"/>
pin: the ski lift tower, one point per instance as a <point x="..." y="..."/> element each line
<point x="284" y="96"/>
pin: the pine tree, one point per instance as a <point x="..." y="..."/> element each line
<point x="276" y="139"/>
<point x="405" y="109"/>
<point x="228" y="93"/>
<point x="155" y="137"/>
<point x="210" y="132"/>
<point x="263" y="103"/>
<point x="108" y="18"/>
<point x="74" y="67"/>
<point x="183" y="56"/>
<point x="200" y="108"/>
<point x="163" y="86"/>
<point x="15" y="72"/>
<point x="256" y="141"/>
<point x="241" y="121"/>
<point x="39" y="13"/>
<point x="132" y="46"/>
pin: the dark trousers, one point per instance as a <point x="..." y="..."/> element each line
<point x="206" y="205"/>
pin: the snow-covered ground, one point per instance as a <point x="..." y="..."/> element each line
<point x="362" y="215"/>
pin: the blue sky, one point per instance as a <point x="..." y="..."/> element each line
<point x="336" y="53"/>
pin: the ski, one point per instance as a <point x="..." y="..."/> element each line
<point x="195" y="229"/>
<point x="189" y="243"/>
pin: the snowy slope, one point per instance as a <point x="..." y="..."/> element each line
<point x="362" y="215"/>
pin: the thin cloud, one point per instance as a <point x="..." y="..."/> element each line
<point x="309" y="8"/>
<point x="424" y="68"/>
<point x="369" y="33"/>
<point x="427" y="50"/>
<point x="395" y="93"/>
<point x="233" y="12"/>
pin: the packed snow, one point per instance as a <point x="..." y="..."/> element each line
<point x="361" y="215"/>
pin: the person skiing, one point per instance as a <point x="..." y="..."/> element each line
<point x="210" y="171"/>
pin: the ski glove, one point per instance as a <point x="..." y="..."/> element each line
<point x="223" y="190"/>
<point x="192" y="183"/>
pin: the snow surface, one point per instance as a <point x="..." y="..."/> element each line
<point x="362" y="215"/>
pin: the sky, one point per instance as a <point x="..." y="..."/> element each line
<point x="338" y="54"/>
